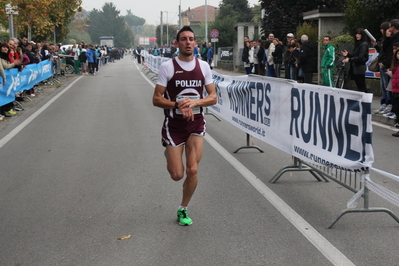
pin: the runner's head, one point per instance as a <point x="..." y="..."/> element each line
<point x="185" y="28"/>
<point x="185" y="41"/>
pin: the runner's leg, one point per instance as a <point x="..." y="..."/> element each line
<point x="194" y="146"/>
<point x="174" y="162"/>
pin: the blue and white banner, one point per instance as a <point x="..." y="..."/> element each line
<point x="318" y="124"/>
<point x="18" y="81"/>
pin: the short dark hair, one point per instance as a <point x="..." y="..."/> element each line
<point x="4" y="45"/>
<point x="396" y="44"/>
<point x="329" y="37"/>
<point x="185" y="28"/>
<point x="395" y="23"/>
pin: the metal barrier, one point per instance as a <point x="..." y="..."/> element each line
<point x="357" y="182"/>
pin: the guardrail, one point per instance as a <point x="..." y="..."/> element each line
<point x="18" y="81"/>
<point x="328" y="131"/>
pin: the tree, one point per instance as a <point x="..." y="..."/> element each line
<point x="227" y="33"/>
<point x="133" y="20"/>
<point x="43" y="17"/>
<point x="384" y="9"/>
<point x="108" y="22"/>
<point x="369" y="14"/>
<point x="283" y="16"/>
<point x="230" y="12"/>
<point x="172" y="34"/>
<point x="235" y="8"/>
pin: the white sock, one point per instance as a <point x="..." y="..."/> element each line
<point x="181" y="207"/>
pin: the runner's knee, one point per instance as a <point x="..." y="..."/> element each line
<point x="176" y="176"/>
<point x="192" y="171"/>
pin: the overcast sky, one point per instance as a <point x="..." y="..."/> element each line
<point x="150" y="10"/>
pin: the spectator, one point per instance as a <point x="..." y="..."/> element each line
<point x="196" y="51"/>
<point x="204" y="52"/>
<point x="395" y="89"/>
<point x="23" y="41"/>
<point x="308" y="59"/>
<point x="83" y="59"/>
<point x="98" y="57"/>
<point x="45" y="52"/>
<point x="358" y="59"/>
<point x="156" y="52"/>
<point x="287" y="56"/>
<point x="260" y="55"/>
<point x="277" y="56"/>
<point x="245" y="58"/>
<point x="209" y="55"/>
<point x="31" y="54"/>
<point x="91" y="59"/>
<point x="269" y="56"/>
<point x="297" y="69"/>
<point x="291" y="62"/>
<point x="255" y="48"/>
<point x="384" y="78"/>
<point x="6" y="110"/>
<point x="76" y="62"/>
<point x="327" y="62"/>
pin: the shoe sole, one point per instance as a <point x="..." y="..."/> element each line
<point x="184" y="224"/>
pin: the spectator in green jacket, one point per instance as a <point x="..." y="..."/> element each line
<point x="327" y="63"/>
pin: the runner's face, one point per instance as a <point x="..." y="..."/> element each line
<point x="186" y="43"/>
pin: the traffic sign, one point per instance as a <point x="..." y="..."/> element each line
<point x="214" y="39"/>
<point x="214" y="33"/>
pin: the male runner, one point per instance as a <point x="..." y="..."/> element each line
<point x="179" y="91"/>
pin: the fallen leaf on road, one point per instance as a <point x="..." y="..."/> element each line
<point x="124" y="237"/>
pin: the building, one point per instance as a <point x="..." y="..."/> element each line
<point x="196" y="17"/>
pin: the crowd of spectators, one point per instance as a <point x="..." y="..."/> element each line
<point x="299" y="57"/>
<point x="18" y="53"/>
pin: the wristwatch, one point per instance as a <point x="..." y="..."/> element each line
<point x="176" y="105"/>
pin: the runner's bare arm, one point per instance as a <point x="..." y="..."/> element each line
<point x="160" y="101"/>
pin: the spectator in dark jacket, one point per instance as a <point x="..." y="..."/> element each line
<point x="31" y="54"/>
<point x="277" y="56"/>
<point x="261" y="54"/>
<point x="308" y="59"/>
<point x="358" y="59"/>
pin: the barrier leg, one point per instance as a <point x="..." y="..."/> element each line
<point x="364" y="209"/>
<point x="207" y="113"/>
<point x="296" y="167"/>
<point x="249" y="146"/>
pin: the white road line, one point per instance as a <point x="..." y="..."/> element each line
<point x="319" y="241"/>
<point x="378" y="124"/>
<point x="21" y="126"/>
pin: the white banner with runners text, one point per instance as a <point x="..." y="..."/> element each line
<point x="318" y="124"/>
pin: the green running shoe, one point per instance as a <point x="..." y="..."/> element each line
<point x="182" y="217"/>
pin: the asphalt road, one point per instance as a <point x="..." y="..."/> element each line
<point x="85" y="166"/>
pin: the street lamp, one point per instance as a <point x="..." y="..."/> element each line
<point x="10" y="11"/>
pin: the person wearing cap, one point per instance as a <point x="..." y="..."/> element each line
<point x="287" y="56"/>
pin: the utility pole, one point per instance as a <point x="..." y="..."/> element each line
<point x="11" y="12"/>
<point x="206" y="22"/>
<point x="161" y="39"/>
<point x="180" y="18"/>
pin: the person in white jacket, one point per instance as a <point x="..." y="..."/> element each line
<point x="269" y="51"/>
